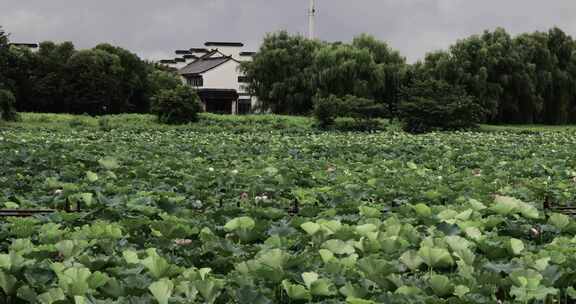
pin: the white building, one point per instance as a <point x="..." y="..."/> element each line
<point x="214" y="72"/>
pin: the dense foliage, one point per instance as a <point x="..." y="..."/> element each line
<point x="133" y="80"/>
<point x="48" y="90"/>
<point x="281" y="73"/>
<point x="327" y="109"/>
<point x="528" y="78"/>
<point x="93" y="83"/>
<point x="390" y="71"/>
<point x="524" y="79"/>
<point x="7" y="106"/>
<point x="59" y="79"/>
<point x="344" y="70"/>
<point x="289" y="71"/>
<point x="3" y="57"/>
<point x="174" y="215"/>
<point x="429" y="105"/>
<point x="7" y="99"/>
<point x="176" y="106"/>
<point x="159" y="80"/>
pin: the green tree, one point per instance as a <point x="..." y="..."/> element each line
<point x="281" y="73"/>
<point x="93" y="83"/>
<point x="177" y="106"/>
<point x="57" y="78"/>
<point x="20" y="64"/>
<point x="429" y="105"/>
<point x="7" y="106"/>
<point x="391" y="70"/>
<point x="133" y="87"/>
<point x="529" y="78"/>
<point x="159" y="80"/>
<point x="380" y="51"/>
<point x="48" y="75"/>
<point x="342" y="69"/>
<point x="559" y="106"/>
<point x="3" y="56"/>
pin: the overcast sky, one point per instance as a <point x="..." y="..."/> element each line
<point x="155" y="28"/>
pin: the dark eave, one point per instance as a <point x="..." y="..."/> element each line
<point x="247" y="54"/>
<point x="220" y="43"/>
<point x="167" y="61"/>
<point x="199" y="50"/>
<point x="190" y="56"/>
<point x="29" y="45"/>
<point x="211" y="94"/>
<point x="183" y="52"/>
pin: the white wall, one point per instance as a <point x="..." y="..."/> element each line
<point x="224" y="76"/>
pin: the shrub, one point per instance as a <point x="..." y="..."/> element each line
<point x="79" y="122"/>
<point x="159" y="80"/>
<point x="104" y="124"/>
<point x="7" y="106"/>
<point x="364" y="111"/>
<point x="326" y="109"/>
<point x="177" y="106"/>
<point x="433" y="105"/>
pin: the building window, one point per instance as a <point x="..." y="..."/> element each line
<point x="195" y="81"/>
<point x="243" y="79"/>
<point x="244" y="106"/>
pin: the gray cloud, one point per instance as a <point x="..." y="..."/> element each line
<point x="154" y="29"/>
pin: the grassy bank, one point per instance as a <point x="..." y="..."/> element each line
<point x="146" y="121"/>
<point x="207" y="122"/>
<point x="230" y="123"/>
<point x="527" y="128"/>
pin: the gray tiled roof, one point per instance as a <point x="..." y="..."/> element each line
<point x="202" y="65"/>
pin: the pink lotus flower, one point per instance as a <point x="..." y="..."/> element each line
<point x="183" y="242"/>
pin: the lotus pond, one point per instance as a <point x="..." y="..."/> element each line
<point x="213" y="215"/>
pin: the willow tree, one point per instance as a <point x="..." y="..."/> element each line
<point x="280" y="74"/>
<point x="525" y="79"/>
<point x="342" y="69"/>
<point x="560" y="105"/>
<point x="391" y="68"/>
<point x="3" y="56"/>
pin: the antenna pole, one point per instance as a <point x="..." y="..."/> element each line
<point x="312" y="20"/>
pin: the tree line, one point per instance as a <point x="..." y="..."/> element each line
<point x="493" y="77"/>
<point x="290" y="70"/>
<point x="57" y="78"/>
